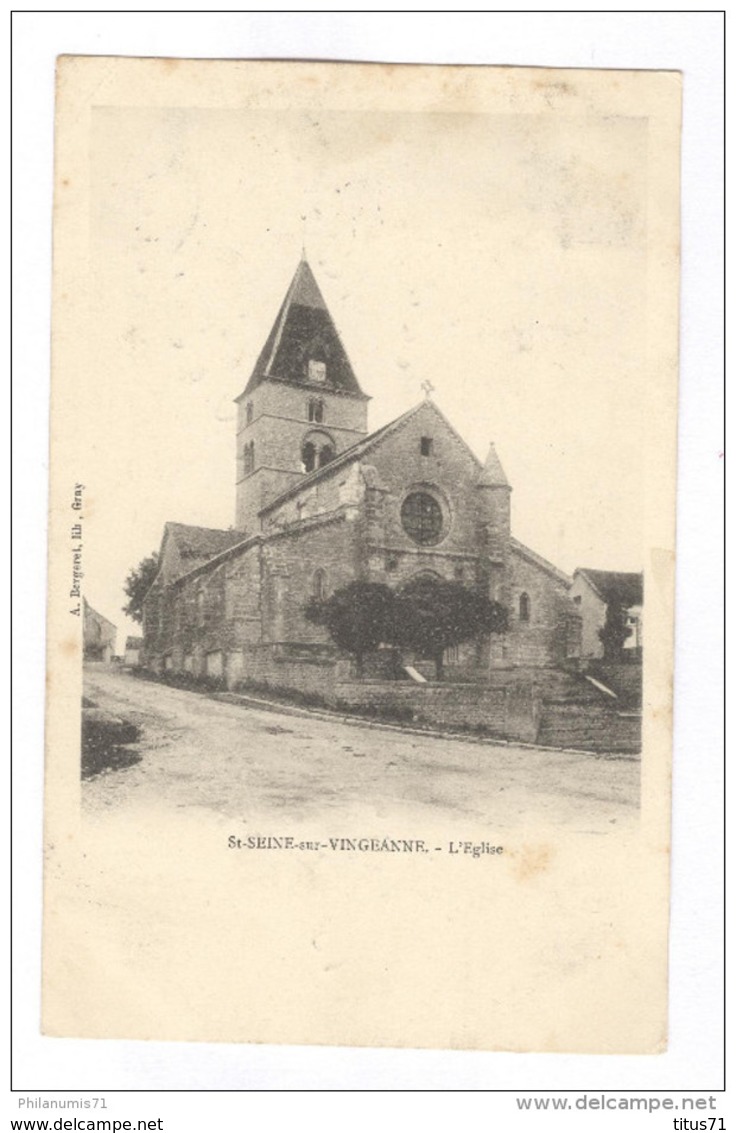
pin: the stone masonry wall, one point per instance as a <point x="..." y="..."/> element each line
<point x="269" y="666"/>
<point x="256" y="596"/>
<point x="280" y="423"/>
<point x="212" y="612"/>
<point x="542" y="640"/>
<point x="449" y="473"/>
<point x="320" y="553"/>
<point x="589" y="727"/>
<point x="507" y="713"/>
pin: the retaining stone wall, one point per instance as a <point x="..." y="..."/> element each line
<point x="499" y="711"/>
<point x="268" y="665"/>
<point x="590" y="727"/>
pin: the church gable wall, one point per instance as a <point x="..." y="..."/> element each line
<point x="401" y="465"/>
<point x="373" y="492"/>
<point x="170" y="566"/>
<point x="449" y="468"/>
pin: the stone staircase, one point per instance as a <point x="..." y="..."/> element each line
<point x="589" y="727"/>
<point x="575" y="714"/>
<point x="555" y="685"/>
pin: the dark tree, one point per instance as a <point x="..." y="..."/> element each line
<point x="137" y="585"/>
<point x="431" y="615"/>
<point x="615" y="631"/>
<point x="357" y="617"/>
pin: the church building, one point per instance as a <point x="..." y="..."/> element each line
<point x="321" y="502"/>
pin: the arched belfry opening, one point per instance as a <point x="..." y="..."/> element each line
<point x="317" y="450"/>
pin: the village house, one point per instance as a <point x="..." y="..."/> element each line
<point x="593" y="592"/>
<point x="133" y="650"/>
<point x="98" y="635"/>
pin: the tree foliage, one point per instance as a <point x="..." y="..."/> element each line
<point x="137" y="585"/>
<point x="357" y="617"/>
<point x="429" y="615"/>
<point x="615" y="631"/>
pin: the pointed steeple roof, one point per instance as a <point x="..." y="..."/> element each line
<point x="493" y="475"/>
<point x="304" y="332"/>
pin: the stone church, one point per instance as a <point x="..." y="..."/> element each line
<point x="321" y="502"/>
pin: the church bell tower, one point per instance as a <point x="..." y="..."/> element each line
<point x="302" y="405"/>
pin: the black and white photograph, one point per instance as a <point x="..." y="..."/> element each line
<point x="362" y="570"/>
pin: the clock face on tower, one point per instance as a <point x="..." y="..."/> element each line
<point x="316" y="371"/>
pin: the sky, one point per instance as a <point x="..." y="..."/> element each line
<point x="502" y="257"/>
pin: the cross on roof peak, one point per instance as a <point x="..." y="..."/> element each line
<point x="427" y="387"/>
<point x="304" y="238"/>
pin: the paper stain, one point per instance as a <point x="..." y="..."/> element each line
<point x="551" y="87"/>
<point x="531" y="861"/>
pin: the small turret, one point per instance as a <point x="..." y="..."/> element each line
<point x="494" y="511"/>
<point x="493" y="475"/>
<point x="493" y="493"/>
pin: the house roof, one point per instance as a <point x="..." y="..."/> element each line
<point x="621" y="587"/>
<point x="359" y="449"/>
<point x="304" y="326"/>
<point x="92" y="613"/>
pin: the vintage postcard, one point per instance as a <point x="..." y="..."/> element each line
<point x="361" y="565"/>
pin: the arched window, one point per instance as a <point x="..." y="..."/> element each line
<point x="316" y="410"/>
<point x="309" y="457"/>
<point x="249" y="412"/>
<point x="524" y="607"/>
<point x="319" y="584"/>
<point x="326" y="454"/>
<point x="249" y="458"/>
<point x="200" y="607"/>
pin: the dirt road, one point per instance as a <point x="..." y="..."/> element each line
<point x="269" y="766"/>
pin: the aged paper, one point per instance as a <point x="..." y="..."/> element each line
<point x="286" y="863"/>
